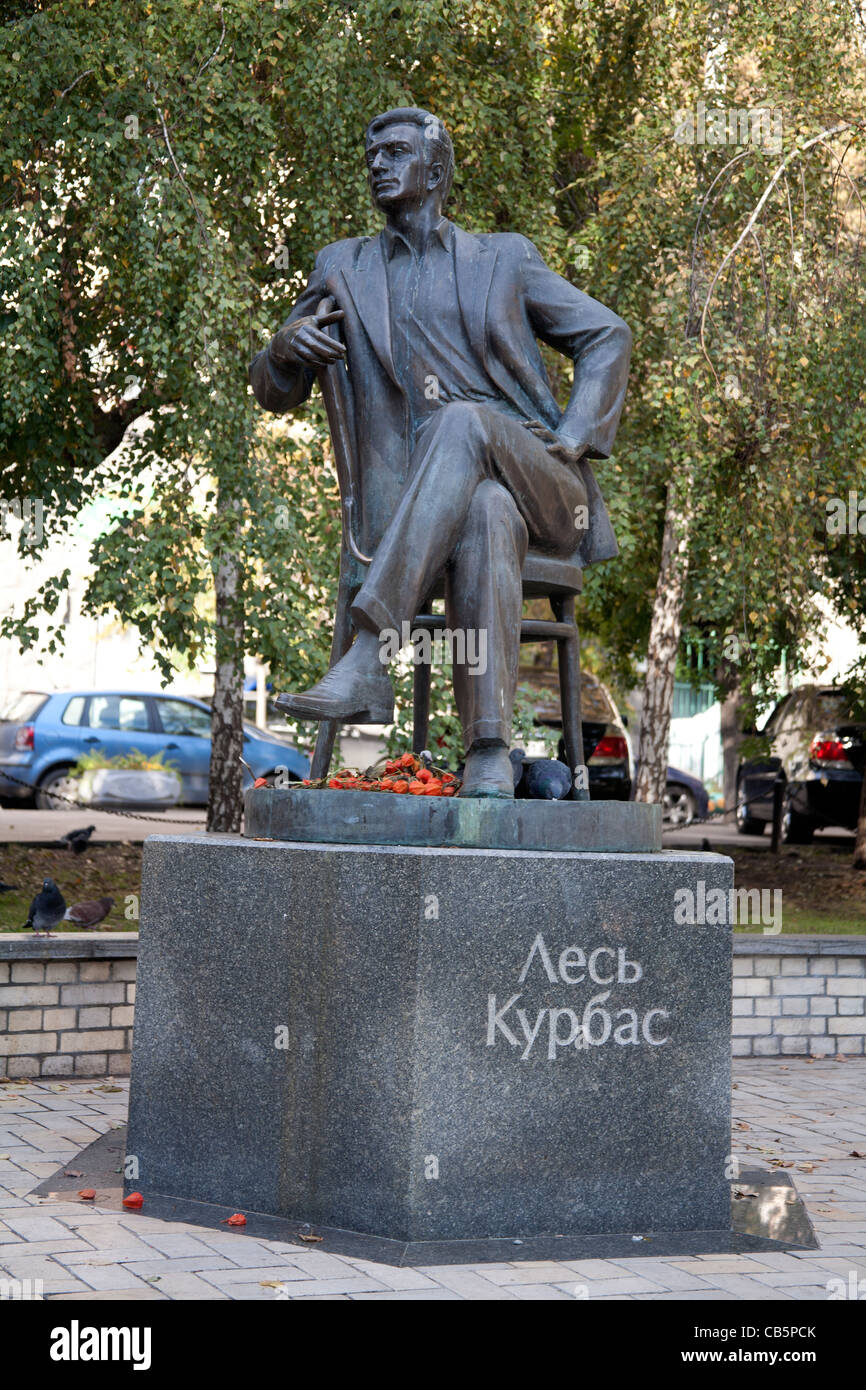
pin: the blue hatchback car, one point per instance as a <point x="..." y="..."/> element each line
<point x="43" y="736"/>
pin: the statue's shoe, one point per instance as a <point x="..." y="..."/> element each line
<point x="488" y="772"/>
<point x="347" y="695"/>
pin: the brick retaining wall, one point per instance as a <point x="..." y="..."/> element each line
<point x="66" y="1004"/>
<point x="799" y="996"/>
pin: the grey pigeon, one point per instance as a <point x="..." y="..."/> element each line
<point x="517" y="755"/>
<point x="76" y="840"/>
<point x="547" y="779"/>
<point x="90" y="912"/>
<point x="46" y="909"/>
<point x="8" y="887"/>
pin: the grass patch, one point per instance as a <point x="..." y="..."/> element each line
<point x="821" y="892"/>
<point x="109" y="870"/>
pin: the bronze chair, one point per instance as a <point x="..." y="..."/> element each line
<point x="544" y="576"/>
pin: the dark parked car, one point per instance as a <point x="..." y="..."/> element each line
<point x="608" y="757"/>
<point x="817" y="748"/>
<point x="686" y="799"/>
<point x="43" y="736"/>
<point x="605" y="742"/>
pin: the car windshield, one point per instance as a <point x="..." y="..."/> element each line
<point x="21" y="706"/>
<point x="181" y="717"/>
<point x="835" y="707"/>
<point x="594" y="704"/>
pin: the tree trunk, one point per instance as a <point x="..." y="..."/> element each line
<point x="664" y="640"/>
<point x="225" y="807"/>
<point x="666" y="622"/>
<point x="860" y="842"/>
<point x="731" y="740"/>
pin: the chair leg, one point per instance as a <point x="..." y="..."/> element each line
<point x="342" y="641"/>
<point x="568" y="651"/>
<point x="420" y="707"/>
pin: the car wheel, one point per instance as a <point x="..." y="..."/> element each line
<point x="746" y="824"/>
<point x="797" y="829"/>
<point x="679" y="806"/>
<point x="58" y="783"/>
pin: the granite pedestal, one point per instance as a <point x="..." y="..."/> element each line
<point x="434" y="1044"/>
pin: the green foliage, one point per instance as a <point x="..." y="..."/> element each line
<point x="757" y="403"/>
<point x="133" y="761"/>
<point x="171" y="167"/>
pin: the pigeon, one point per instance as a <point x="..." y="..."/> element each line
<point x="76" y="840"/>
<point x="90" y="913"/>
<point x="517" y="755"/>
<point x="46" y="909"/>
<point x="547" y="779"/>
<point x="8" y="887"/>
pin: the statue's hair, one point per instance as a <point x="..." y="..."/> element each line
<point x="434" y="130"/>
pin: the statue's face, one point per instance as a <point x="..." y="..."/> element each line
<point x="398" y="168"/>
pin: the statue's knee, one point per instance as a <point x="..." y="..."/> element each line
<point x="493" y="507"/>
<point x="462" y="422"/>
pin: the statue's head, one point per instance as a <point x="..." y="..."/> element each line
<point x="410" y="159"/>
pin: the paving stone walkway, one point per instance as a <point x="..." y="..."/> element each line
<point x="810" y="1115"/>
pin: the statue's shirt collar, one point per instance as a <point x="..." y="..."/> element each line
<point x="392" y="239"/>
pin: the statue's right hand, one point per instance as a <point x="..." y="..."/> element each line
<point x="304" y="341"/>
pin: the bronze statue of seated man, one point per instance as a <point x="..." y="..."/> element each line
<point x="473" y="459"/>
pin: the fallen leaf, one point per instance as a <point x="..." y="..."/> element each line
<point x="855" y="1154"/>
<point x="741" y="1124"/>
<point x="270" y="1284"/>
<point x="134" y="1201"/>
<point x="806" y="1167"/>
<point x="237" y="1220"/>
<point x="87" y="1194"/>
<point x="312" y="1240"/>
<point x="106" y="1088"/>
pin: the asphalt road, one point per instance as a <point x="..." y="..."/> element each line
<point x="45" y="826"/>
<point x="721" y="833"/>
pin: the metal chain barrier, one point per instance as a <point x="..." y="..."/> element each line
<point x="711" y="815"/>
<point x="86" y="806"/>
<point x="161" y="820"/>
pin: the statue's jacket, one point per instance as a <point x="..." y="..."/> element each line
<point x="509" y="298"/>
